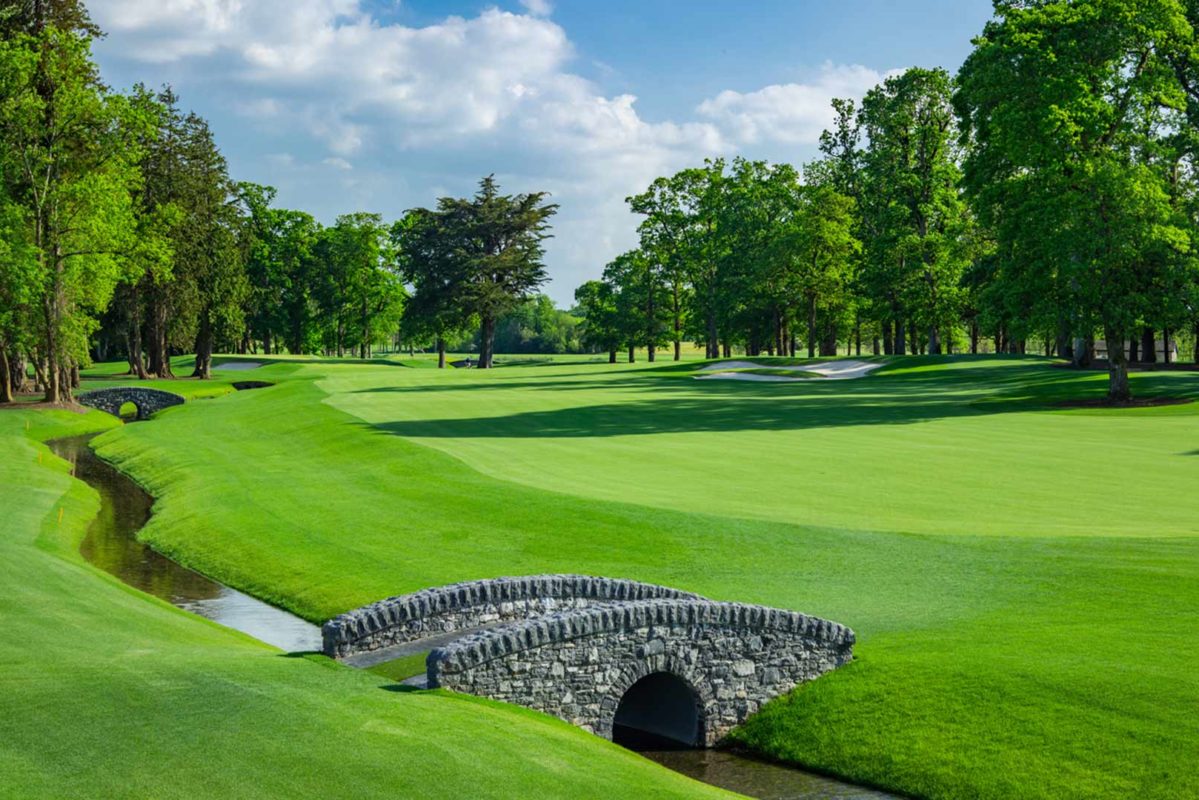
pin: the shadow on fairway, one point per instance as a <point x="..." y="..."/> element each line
<point x="670" y="405"/>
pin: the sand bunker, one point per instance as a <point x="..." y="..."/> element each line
<point x="238" y="365"/>
<point x="845" y="369"/>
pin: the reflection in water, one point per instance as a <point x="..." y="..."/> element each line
<point x="755" y="778"/>
<point x="112" y="545"/>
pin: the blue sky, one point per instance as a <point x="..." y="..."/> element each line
<point x="369" y="105"/>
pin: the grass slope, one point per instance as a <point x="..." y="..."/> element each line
<point x="105" y="692"/>
<point x="1037" y="661"/>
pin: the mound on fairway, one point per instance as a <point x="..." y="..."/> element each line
<point x="845" y="369"/>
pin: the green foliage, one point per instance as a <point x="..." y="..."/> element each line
<point x="914" y="220"/>
<point x="1070" y="111"/>
<point x="476" y="257"/>
<point x="68" y="153"/>
<point x="601" y="328"/>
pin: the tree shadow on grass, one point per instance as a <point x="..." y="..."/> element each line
<point x="672" y="406"/>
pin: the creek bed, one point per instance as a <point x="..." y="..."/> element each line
<point x="112" y="545"/>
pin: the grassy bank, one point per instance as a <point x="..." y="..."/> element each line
<point x="110" y="693"/>
<point x="1023" y="580"/>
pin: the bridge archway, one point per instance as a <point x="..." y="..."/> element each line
<point x="659" y="711"/>
<point x="146" y="401"/>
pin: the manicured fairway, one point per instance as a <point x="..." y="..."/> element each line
<point x="1051" y="657"/>
<point x="108" y="693"/>
<point x="937" y="448"/>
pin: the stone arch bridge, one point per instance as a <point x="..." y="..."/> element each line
<point x="147" y="401"/>
<point x="618" y="658"/>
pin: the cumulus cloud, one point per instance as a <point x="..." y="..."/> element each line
<point x="791" y="113"/>
<point x="538" y="8"/>
<point x="422" y="108"/>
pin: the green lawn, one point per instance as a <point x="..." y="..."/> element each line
<point x="105" y="692"/>
<point x="1023" y="579"/>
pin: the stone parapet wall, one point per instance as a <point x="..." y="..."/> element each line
<point x="578" y="664"/>
<point x="148" y="401"/>
<point x="474" y="604"/>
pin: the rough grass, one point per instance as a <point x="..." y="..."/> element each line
<point x="105" y="692"/>
<point x="1023" y="581"/>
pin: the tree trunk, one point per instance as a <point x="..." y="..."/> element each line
<point x="1195" y="354"/>
<point x="1132" y="349"/>
<point x="974" y="338"/>
<point x="5" y="376"/>
<point x="632" y="354"/>
<point x="651" y="350"/>
<point x="1081" y="353"/>
<point x="901" y="344"/>
<point x="728" y="350"/>
<point x="888" y="342"/>
<point x="18" y="372"/>
<point x="811" y="326"/>
<point x="934" y="341"/>
<point x="440" y="352"/>
<point x="1117" y="370"/>
<point x="203" y="369"/>
<point x="828" y="342"/>
<point x="1165" y="345"/>
<point x="1148" y="346"/>
<point x="713" y="349"/>
<point x="160" y="356"/>
<point x="612" y="356"/>
<point x="486" y="341"/>
<point x="137" y="364"/>
<point x="857" y="337"/>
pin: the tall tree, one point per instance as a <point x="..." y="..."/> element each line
<point x="601" y="324"/>
<point x="489" y="252"/>
<point x="361" y="294"/>
<point x="68" y="158"/>
<point x="1063" y="106"/>
<point x="910" y="192"/>
<point x="430" y="261"/>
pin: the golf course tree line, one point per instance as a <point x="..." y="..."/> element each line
<point x="122" y="234"/>
<point x="1043" y="198"/>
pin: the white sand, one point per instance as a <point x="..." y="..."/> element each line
<point x="845" y="369"/>
<point x="238" y="365"/>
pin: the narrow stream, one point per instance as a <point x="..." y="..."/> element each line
<point x="112" y="545"/>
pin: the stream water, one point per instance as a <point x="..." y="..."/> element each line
<point x="112" y="544"/>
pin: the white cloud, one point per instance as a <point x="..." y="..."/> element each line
<point x="420" y="109"/>
<point x="791" y="113"/>
<point x="538" y="8"/>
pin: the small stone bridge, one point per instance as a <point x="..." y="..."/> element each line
<point x="147" y="401"/>
<point x="618" y="658"/>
